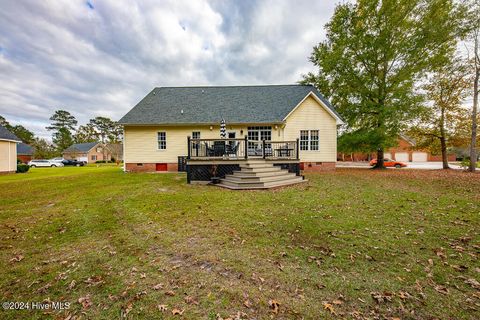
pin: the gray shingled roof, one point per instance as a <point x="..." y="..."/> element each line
<point x="81" y="147"/>
<point x="236" y="104"/>
<point x="23" y="148"/>
<point x="7" y="135"/>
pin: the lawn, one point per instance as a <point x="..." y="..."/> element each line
<point x="351" y="244"/>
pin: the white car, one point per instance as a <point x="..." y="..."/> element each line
<point x="44" y="163"/>
<point x="59" y="160"/>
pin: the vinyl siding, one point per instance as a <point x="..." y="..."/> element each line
<point x="8" y="156"/>
<point x="310" y="115"/>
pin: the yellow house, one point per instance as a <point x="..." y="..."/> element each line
<point x="8" y="151"/>
<point x="172" y="124"/>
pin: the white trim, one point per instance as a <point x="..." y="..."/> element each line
<point x="320" y="102"/>
<point x="9" y="160"/>
<point x="10" y="140"/>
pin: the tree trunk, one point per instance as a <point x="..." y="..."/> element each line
<point x="443" y="144"/>
<point x="380" y="164"/>
<point x="473" y="145"/>
<point x="443" y="140"/>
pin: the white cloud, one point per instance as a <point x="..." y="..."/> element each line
<point x="102" y="61"/>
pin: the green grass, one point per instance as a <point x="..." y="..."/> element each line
<point x="337" y="239"/>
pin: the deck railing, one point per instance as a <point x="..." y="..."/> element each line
<point x="235" y="149"/>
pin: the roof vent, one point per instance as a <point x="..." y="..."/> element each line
<point x="153" y="92"/>
<point x="203" y="91"/>
<point x="181" y="111"/>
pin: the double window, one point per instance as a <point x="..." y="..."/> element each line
<point x="196" y="135"/>
<point x="309" y="140"/>
<point x="162" y="140"/>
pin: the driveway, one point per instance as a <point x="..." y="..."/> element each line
<point x="410" y="165"/>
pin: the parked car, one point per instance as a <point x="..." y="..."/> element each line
<point x="59" y="159"/>
<point x="73" y="163"/>
<point x="44" y="163"/>
<point x="389" y="163"/>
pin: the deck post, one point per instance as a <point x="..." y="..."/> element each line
<point x="246" y="147"/>
<point x="188" y="146"/>
<point x="263" y="148"/>
<point x="298" y="149"/>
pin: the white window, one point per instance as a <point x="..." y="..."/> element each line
<point x="314" y="140"/>
<point x="303" y="139"/>
<point x="196" y="135"/>
<point x="309" y="140"/>
<point x="162" y="140"/>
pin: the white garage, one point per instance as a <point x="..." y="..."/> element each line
<point x="419" y="157"/>
<point x="401" y="156"/>
<point x="387" y="155"/>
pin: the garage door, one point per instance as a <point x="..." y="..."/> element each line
<point x="419" y="157"/>
<point x="387" y="155"/>
<point x="401" y="156"/>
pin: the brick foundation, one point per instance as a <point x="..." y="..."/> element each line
<point x="317" y="166"/>
<point x="149" y="167"/>
<point x="172" y="167"/>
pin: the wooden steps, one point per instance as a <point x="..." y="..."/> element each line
<point x="259" y="174"/>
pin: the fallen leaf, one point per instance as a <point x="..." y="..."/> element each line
<point x="94" y="281"/>
<point x="379" y="297"/>
<point x="85" y="301"/>
<point x="337" y="302"/>
<point x="177" y="312"/>
<point x="191" y="300"/>
<point x="329" y="307"/>
<point x="126" y="310"/>
<point x="157" y="286"/>
<point x="404" y="295"/>
<point x="162" y="307"/>
<point x="247" y="304"/>
<point x="72" y="285"/>
<point x="274" y="305"/>
<point x="17" y="258"/>
<point x="473" y="283"/>
<point x="170" y="293"/>
<point x="441" y="289"/>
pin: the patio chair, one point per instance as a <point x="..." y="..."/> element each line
<point x="232" y="150"/>
<point x="209" y="152"/>
<point x="219" y="148"/>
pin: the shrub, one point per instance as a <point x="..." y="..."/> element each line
<point x="465" y="164"/>
<point x="22" y="168"/>
<point x="103" y="161"/>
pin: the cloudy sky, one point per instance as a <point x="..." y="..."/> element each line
<point x="100" y="57"/>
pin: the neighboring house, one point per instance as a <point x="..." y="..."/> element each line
<point x="116" y="150"/>
<point x="404" y="151"/>
<point x="24" y="152"/>
<point x="156" y="129"/>
<point x="8" y="151"/>
<point x="89" y="152"/>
